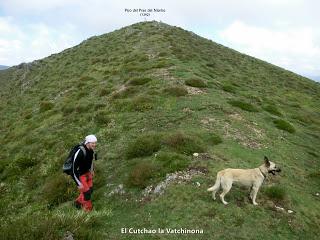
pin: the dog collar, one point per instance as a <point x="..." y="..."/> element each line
<point x="263" y="173"/>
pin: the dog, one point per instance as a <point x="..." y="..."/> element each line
<point x="252" y="178"/>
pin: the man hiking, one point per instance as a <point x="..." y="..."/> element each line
<point x="82" y="172"/>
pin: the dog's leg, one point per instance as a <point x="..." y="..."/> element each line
<point x="253" y="194"/>
<point x="214" y="193"/>
<point x="226" y="186"/>
<point x="215" y="187"/>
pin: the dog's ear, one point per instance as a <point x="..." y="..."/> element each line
<point x="266" y="162"/>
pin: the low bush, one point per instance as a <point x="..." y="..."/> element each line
<point x="58" y="189"/>
<point x="284" y="125"/>
<point x="211" y="65"/>
<point x="126" y="92"/>
<point x="161" y="64"/>
<point x="104" y="92"/>
<point x="26" y="162"/>
<point x="140" y="174"/>
<point x="196" y="82"/>
<point x="45" y="106"/>
<point x="139" y="81"/>
<point x="244" y="106"/>
<point x="276" y="193"/>
<point x="211" y="138"/>
<point x="101" y="117"/>
<point x="144" y="145"/>
<point x="171" y="162"/>
<point x="176" y="91"/>
<point x="183" y="143"/>
<point x="67" y="110"/>
<point x="163" y="54"/>
<point x="141" y="104"/>
<point x="229" y="88"/>
<point x="81" y="108"/>
<point x="273" y="110"/>
<point x="83" y="79"/>
<point x="315" y="176"/>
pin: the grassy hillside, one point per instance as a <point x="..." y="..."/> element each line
<point x="154" y="95"/>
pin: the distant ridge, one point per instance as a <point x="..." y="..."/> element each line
<point x="2" y="67"/>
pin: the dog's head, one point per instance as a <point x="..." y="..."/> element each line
<point x="271" y="166"/>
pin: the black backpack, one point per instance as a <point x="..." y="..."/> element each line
<point x="68" y="163"/>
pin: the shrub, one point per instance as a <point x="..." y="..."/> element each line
<point x="45" y="106"/>
<point x="244" y="106"/>
<point x="211" y="65"/>
<point x="104" y="92"/>
<point x="284" y="125"/>
<point x="183" y="143"/>
<point x="162" y="54"/>
<point x="27" y="115"/>
<point x="315" y="176"/>
<point x="126" y="92"/>
<point x="276" y="192"/>
<point x="101" y="117"/>
<point x="196" y="82"/>
<point x="139" y="81"/>
<point x="171" y="162"/>
<point x="176" y="91"/>
<point x="66" y="110"/>
<point x="140" y="175"/>
<point x="85" y="79"/>
<point x="162" y="64"/>
<point x="144" y="145"/>
<point x="141" y="104"/>
<point x="57" y="189"/>
<point x="212" y="138"/>
<point x="26" y="162"/>
<point x="229" y="88"/>
<point x="273" y="110"/>
<point x="81" y="108"/>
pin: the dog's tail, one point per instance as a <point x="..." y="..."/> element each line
<point x="216" y="186"/>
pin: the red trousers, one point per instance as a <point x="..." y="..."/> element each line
<point x="86" y="190"/>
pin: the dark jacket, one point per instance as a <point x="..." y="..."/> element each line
<point x="82" y="163"/>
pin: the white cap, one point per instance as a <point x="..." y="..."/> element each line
<point x="90" y="139"/>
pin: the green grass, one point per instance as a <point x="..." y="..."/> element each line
<point x="130" y="88"/>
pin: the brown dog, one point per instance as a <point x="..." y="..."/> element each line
<point x="252" y="178"/>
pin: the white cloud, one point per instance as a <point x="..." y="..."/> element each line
<point x="24" y="43"/>
<point x="35" y="5"/>
<point x="293" y="49"/>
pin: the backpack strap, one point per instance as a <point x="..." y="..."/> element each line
<point x="83" y="150"/>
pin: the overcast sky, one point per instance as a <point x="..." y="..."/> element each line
<point x="283" y="32"/>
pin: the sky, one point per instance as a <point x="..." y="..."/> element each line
<point x="282" y="32"/>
